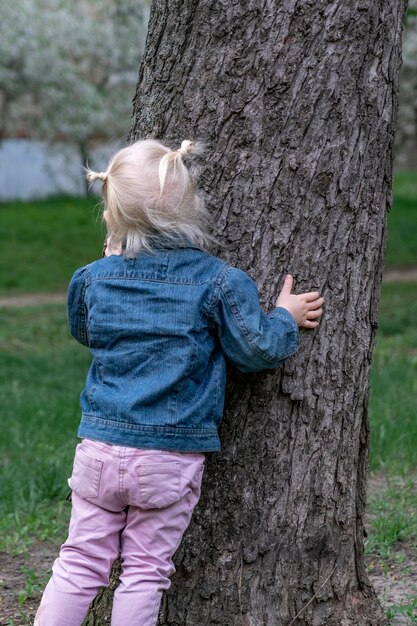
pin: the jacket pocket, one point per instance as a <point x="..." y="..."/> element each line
<point x="86" y="474"/>
<point x="159" y="484"/>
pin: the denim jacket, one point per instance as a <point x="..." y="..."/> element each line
<point x="160" y="328"/>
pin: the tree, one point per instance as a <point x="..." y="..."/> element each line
<point x="297" y="102"/>
<point x="65" y="68"/>
<point x="406" y="140"/>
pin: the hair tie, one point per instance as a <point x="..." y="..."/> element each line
<point x="92" y="176"/>
<point x="186" y="147"/>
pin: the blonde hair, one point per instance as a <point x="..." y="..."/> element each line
<point x="149" y="193"/>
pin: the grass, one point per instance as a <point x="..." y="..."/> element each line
<point x="393" y="401"/>
<point x="393" y="513"/>
<point x="41" y="371"/>
<point x="392" y="539"/>
<point x="409" y="611"/>
<point x="391" y="547"/>
<point x="402" y="222"/>
<point x="44" y="241"/>
<point x="34" y="583"/>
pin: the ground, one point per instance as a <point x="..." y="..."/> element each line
<point x="21" y="582"/>
<point x="395" y="581"/>
<point x="23" y="577"/>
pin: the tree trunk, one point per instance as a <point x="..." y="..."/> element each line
<point x="297" y="103"/>
<point x="4" y="114"/>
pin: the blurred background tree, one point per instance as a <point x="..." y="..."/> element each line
<point x="406" y="137"/>
<point x="68" y="70"/>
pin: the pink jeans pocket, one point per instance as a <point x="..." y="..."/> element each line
<point x="159" y="484"/>
<point x="86" y="474"/>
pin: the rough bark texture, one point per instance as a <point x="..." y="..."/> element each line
<point x="297" y="102"/>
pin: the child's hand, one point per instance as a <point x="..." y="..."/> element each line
<point x="305" y="307"/>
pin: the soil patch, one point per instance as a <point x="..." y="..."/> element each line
<point x="395" y="582"/>
<point x="395" y="579"/>
<point x="22" y="579"/>
<point x="408" y="275"/>
<point x="31" y="299"/>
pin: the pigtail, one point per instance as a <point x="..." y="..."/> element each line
<point x="174" y="158"/>
<point x="91" y="176"/>
<point x="112" y="203"/>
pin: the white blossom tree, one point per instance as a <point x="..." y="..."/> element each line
<point x="406" y="142"/>
<point x="68" y="69"/>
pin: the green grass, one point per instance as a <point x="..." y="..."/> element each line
<point x="402" y="223"/>
<point x="392" y="539"/>
<point x="409" y="611"/>
<point x="393" y="401"/>
<point x="34" y="583"/>
<point x="391" y="546"/>
<point x="394" y="517"/>
<point x="42" y="371"/>
<point x="43" y="242"/>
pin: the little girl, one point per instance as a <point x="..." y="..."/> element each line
<point x="160" y="316"/>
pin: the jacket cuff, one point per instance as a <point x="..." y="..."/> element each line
<point x="285" y="316"/>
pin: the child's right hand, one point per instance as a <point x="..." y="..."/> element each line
<point x="305" y="308"/>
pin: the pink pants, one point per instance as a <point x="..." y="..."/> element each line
<point x="138" y="502"/>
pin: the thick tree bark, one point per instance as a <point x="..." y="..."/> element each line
<point x="297" y="103"/>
